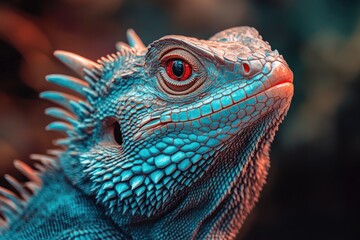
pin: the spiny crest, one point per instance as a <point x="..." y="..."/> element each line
<point x="97" y="80"/>
<point x="110" y="70"/>
<point x="115" y="67"/>
<point x="13" y="204"/>
<point x="74" y="119"/>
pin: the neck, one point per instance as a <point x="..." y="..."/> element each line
<point x="203" y="211"/>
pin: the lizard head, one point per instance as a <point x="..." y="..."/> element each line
<point x="181" y="117"/>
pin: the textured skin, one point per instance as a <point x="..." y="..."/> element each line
<point x="187" y="163"/>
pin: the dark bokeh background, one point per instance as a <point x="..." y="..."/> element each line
<point x="313" y="185"/>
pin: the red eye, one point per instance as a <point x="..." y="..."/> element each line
<point x="178" y="69"/>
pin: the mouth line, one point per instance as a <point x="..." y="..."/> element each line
<point x="157" y="122"/>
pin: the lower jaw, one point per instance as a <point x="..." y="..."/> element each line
<point x="283" y="90"/>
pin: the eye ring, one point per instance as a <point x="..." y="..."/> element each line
<point x="185" y="77"/>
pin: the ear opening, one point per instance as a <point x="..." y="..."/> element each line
<point x="111" y="132"/>
<point x="117" y="133"/>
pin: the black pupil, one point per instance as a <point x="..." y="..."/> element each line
<point x="178" y="68"/>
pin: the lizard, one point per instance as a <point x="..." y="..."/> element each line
<point x="168" y="141"/>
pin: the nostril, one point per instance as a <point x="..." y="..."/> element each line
<point x="246" y="68"/>
<point x="117" y="133"/>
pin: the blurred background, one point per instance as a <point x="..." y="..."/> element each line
<point x="313" y="185"/>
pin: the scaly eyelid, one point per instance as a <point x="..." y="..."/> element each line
<point x="179" y="53"/>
